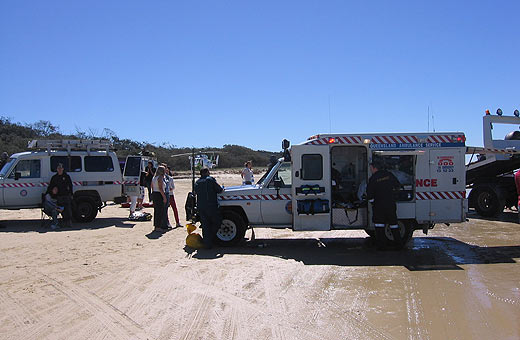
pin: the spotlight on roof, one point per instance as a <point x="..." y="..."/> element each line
<point x="499" y="112"/>
<point x="516" y="113"/>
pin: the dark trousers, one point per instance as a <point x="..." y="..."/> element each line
<point x="159" y="211"/>
<point x="166" y="205"/>
<point x="210" y="221"/>
<point x="66" y="203"/>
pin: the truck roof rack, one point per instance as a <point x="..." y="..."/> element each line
<point x="70" y="144"/>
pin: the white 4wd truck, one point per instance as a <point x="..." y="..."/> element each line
<point x="93" y="168"/>
<point x="319" y="185"/>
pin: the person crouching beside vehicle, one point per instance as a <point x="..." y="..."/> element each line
<point x="62" y="181"/>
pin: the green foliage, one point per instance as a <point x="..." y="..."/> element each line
<point x="15" y="136"/>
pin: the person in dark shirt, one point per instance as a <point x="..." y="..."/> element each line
<point x="380" y="191"/>
<point x="64" y="184"/>
<point x="150" y="172"/>
<point x="206" y="189"/>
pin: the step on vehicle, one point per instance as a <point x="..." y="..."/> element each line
<point x="91" y="164"/>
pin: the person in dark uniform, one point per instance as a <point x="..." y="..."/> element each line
<point x="64" y="183"/>
<point x="380" y="191"/>
<point x="206" y="189"/>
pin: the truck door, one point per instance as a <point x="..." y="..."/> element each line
<point x="276" y="205"/>
<point x="311" y="187"/>
<point x="24" y="184"/>
<point x="447" y="185"/>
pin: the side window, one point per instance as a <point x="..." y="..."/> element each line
<point x="27" y="168"/>
<point x="99" y="164"/>
<point x="312" y="167"/>
<point x="70" y="164"/>
<point x="284" y="173"/>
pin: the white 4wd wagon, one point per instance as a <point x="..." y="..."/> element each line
<point x="92" y="166"/>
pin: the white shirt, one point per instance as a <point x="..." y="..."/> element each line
<point x="248" y="175"/>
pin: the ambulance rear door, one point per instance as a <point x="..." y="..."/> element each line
<point x="311" y="187"/>
<point x="447" y="185"/>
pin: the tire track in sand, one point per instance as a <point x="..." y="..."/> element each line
<point x="119" y="324"/>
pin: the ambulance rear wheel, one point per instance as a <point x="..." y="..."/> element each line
<point x="232" y="229"/>
<point x="405" y="230"/>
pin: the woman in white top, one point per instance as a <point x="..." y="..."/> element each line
<point x="247" y="174"/>
<point x="172" y="198"/>
<point x="159" y="200"/>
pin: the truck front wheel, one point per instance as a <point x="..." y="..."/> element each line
<point x="487" y="202"/>
<point x="232" y="229"/>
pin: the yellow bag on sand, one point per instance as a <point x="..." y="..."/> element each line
<point x="194" y="241"/>
<point x="190" y="227"/>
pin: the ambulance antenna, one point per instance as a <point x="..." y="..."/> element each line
<point x="330" y="124"/>
<point x="192" y="169"/>
<point x="428" y="118"/>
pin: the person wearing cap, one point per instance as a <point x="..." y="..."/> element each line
<point x="380" y="192"/>
<point x="62" y="181"/>
<point x="206" y="189"/>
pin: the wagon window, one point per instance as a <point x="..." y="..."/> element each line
<point x="312" y="167"/>
<point x="99" y="164"/>
<point x="27" y="168"/>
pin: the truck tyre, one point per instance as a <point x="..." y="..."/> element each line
<point x="405" y="230"/>
<point x="85" y="209"/>
<point x="232" y="230"/>
<point x="487" y="202"/>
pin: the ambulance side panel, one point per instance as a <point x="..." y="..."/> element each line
<point x="422" y="172"/>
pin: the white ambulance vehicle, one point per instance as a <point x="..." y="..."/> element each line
<point x="134" y="166"/>
<point x="319" y="185"/>
<point x="92" y="166"/>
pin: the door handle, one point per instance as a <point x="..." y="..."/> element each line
<point x="297" y="174"/>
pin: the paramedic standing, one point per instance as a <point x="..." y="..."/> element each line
<point x="517" y="182"/>
<point x="207" y="189"/>
<point x="380" y="191"/>
<point x="62" y="180"/>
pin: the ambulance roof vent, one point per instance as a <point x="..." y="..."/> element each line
<point x="70" y="144"/>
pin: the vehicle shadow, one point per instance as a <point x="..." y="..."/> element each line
<point x="421" y="254"/>
<point x="505" y="216"/>
<point x="36" y="225"/>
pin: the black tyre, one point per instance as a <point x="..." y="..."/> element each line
<point x="405" y="230"/>
<point x="85" y="209"/>
<point x="232" y="230"/>
<point x="487" y="203"/>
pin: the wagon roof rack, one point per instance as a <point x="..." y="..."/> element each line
<point x="70" y="144"/>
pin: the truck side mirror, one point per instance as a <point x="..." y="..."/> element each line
<point x="285" y="144"/>
<point x="278" y="183"/>
<point x="17" y="175"/>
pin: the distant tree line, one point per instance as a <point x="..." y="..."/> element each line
<point x="15" y="136"/>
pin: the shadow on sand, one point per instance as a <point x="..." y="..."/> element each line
<point x="24" y="226"/>
<point x="421" y="254"/>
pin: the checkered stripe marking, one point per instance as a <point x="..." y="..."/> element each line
<point x="444" y="139"/>
<point x="338" y="140"/>
<point x="42" y="184"/>
<point x="255" y="197"/>
<point x="440" y="195"/>
<point x="394" y="139"/>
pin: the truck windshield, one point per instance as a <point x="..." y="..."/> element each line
<point x="133" y="166"/>
<point x="7" y="167"/>
<point x="262" y="179"/>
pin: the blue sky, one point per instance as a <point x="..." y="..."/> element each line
<point x="208" y="73"/>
